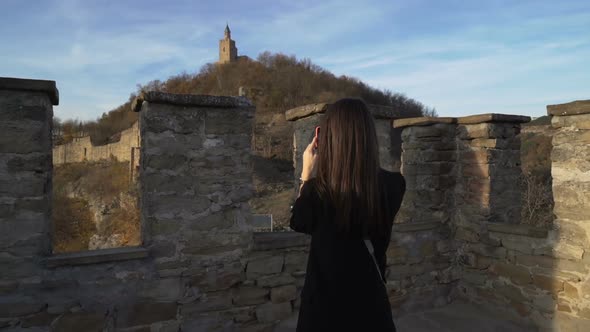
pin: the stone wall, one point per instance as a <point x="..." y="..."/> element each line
<point x="202" y="268"/>
<point x="81" y="149"/>
<point x="25" y="190"/>
<point x="199" y="268"/>
<point x="532" y="274"/>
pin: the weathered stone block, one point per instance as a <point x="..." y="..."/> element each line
<point x="474" y="278"/>
<point x="164" y="227"/>
<point x="158" y="118"/>
<point x="40" y="319"/>
<point x="169" y="326"/>
<point x="466" y="234"/>
<point x="215" y="243"/>
<point x="18" y="137"/>
<point x="275" y="280"/>
<point x="442" y="145"/>
<point x="272" y="312"/>
<point x="264" y="266"/>
<point x="227" y="121"/>
<point x="517" y="274"/>
<point x="171" y="143"/>
<point x="283" y="293"/>
<point x="570" y="290"/>
<point x="581" y="121"/>
<point x="217" y="278"/>
<point x="436" y="130"/>
<point x="434" y="168"/>
<point x="248" y="295"/>
<point x="561" y="250"/>
<point x="486" y="250"/>
<point x="429" y="182"/>
<point x="163" y="249"/>
<point x="211" y="301"/>
<point x="545" y="303"/>
<point x="33" y="162"/>
<point x="548" y="283"/>
<point x="144" y="313"/>
<point x="91" y="322"/>
<point x="296" y="261"/>
<point x="173" y="206"/>
<point x="219" y="220"/>
<point x="18" y="309"/>
<point x="571" y="137"/>
<point x="162" y="290"/>
<point x="488" y="130"/>
<point x="509" y="291"/>
<point x="165" y="162"/>
<point x="34" y="185"/>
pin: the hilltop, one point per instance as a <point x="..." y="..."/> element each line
<point x="275" y="82"/>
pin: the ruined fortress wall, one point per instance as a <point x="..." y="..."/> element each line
<point x="81" y="149"/>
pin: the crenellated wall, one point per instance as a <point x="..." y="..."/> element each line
<point x="81" y="149"/>
<point x="202" y="268"/>
<point x="533" y="275"/>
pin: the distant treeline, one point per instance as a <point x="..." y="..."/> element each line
<point x="282" y="81"/>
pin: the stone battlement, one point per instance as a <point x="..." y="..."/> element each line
<point x="201" y="267"/>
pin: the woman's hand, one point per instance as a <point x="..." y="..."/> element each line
<point x="310" y="156"/>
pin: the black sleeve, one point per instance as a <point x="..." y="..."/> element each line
<point x="397" y="188"/>
<point x="400" y="185"/>
<point x="302" y="214"/>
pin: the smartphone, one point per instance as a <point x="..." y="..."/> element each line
<point x="317" y="135"/>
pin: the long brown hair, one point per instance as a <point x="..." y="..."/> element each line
<point x="348" y="165"/>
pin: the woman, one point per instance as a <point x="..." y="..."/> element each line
<point x="349" y="200"/>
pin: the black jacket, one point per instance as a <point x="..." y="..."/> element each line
<point x="342" y="290"/>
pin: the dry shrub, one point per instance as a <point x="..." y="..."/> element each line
<point x="75" y="185"/>
<point x="73" y="224"/>
<point x="537" y="199"/>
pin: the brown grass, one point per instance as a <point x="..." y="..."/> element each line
<point x="75" y="186"/>
<point x="536" y="182"/>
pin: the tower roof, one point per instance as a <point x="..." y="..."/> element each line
<point x="227" y="31"/>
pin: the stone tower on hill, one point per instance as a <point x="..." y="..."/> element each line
<point x="227" y="48"/>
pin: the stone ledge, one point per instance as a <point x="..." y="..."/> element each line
<point x="415" y="226"/>
<point x="422" y="121"/>
<point x="96" y="256"/>
<point x="305" y="111"/>
<point x="378" y="111"/>
<point x="493" y="117"/>
<point x="517" y="229"/>
<point x="572" y="108"/>
<point x="279" y="240"/>
<point x="470" y="119"/>
<point x="189" y="100"/>
<point x="10" y="83"/>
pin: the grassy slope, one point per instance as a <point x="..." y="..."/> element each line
<point x="75" y="187"/>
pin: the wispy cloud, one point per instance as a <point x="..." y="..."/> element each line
<point x="461" y="58"/>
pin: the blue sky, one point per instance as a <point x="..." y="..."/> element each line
<point x="461" y="57"/>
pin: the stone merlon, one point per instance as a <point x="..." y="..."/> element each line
<point x="472" y="119"/>
<point x="9" y="83"/>
<point x="575" y="107"/>
<point x="189" y="100"/>
<point x="378" y="111"/>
